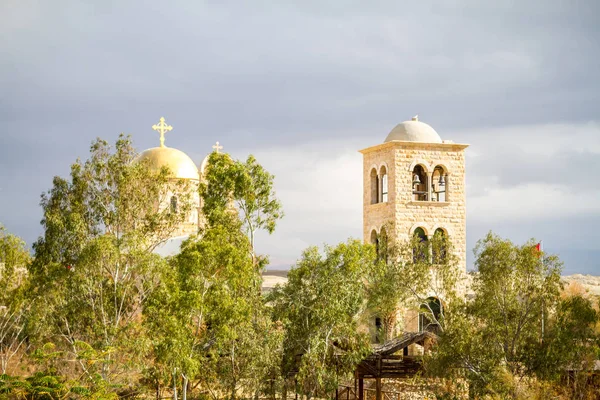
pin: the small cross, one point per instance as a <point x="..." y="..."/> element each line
<point x="162" y="128"/>
<point x="217" y="147"/>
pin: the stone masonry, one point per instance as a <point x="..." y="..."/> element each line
<point x="401" y="214"/>
<point x="401" y="211"/>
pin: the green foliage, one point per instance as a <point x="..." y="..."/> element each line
<point x="94" y="267"/>
<point x="206" y="320"/>
<point x="320" y="307"/>
<point x="513" y="288"/>
<point x="110" y="194"/>
<point x="247" y="185"/>
<point x="516" y="331"/>
<point x="571" y="343"/>
<point x="209" y="323"/>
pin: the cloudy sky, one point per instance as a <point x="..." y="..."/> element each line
<point x="303" y="85"/>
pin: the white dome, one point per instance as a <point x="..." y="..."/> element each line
<point x="203" y="165"/>
<point x="413" y="131"/>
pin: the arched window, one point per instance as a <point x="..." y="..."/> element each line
<point x="374" y="187"/>
<point x="375" y="240"/>
<point x="420" y="246"/>
<point x="174" y="208"/>
<point x="384" y="184"/>
<point x="378" y="329"/>
<point x="439" y="183"/>
<point x="430" y="314"/>
<point x="383" y="244"/>
<point x="439" y="248"/>
<point x="419" y="184"/>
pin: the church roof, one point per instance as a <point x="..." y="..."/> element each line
<point x="179" y="163"/>
<point x="413" y="131"/>
<point x="401" y="342"/>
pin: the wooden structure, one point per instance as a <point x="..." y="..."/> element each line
<point x="388" y="360"/>
<point x="391" y="360"/>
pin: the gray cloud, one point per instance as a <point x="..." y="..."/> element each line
<point x="290" y="75"/>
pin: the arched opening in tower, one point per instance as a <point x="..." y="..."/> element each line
<point x="430" y="314"/>
<point x="420" y="246"/>
<point x="374" y="186"/>
<point x="439" y="246"/>
<point x="419" y="184"/>
<point x="439" y="183"/>
<point x="384" y="184"/>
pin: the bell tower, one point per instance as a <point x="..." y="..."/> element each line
<point x="414" y="184"/>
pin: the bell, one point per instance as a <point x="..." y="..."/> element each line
<point x="416" y="180"/>
<point x="442" y="181"/>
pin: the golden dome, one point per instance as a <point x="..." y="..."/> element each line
<point x="179" y="163"/>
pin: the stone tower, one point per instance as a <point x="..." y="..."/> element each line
<point x="414" y="184"/>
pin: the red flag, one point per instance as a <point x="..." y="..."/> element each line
<point x="538" y="249"/>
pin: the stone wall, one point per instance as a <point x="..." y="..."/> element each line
<point x="401" y="212"/>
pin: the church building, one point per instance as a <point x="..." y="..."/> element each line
<point x="181" y="167"/>
<point x="414" y="185"/>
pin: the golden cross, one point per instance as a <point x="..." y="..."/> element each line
<point x="162" y="128"/>
<point x="217" y="147"/>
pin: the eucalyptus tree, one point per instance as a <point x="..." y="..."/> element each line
<point x="496" y="338"/>
<point x="94" y="266"/>
<point x="211" y="328"/>
<point x="320" y="308"/>
<point x="245" y="187"/>
<point x="202" y="310"/>
<point x="571" y="345"/>
<point x="208" y="325"/>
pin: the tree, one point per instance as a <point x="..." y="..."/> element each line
<point x="14" y="259"/>
<point x="109" y="194"/>
<point x="211" y="327"/>
<point x="206" y="321"/>
<point x="491" y="338"/>
<point x="197" y="300"/>
<point x="570" y="346"/>
<point x="514" y="285"/>
<point x="249" y="187"/>
<point x="320" y="308"/>
<point x="94" y="265"/>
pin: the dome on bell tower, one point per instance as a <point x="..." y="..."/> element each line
<point x="413" y="131"/>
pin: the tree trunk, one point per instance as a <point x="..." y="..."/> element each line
<point x="184" y="385"/>
<point x="174" y="386"/>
